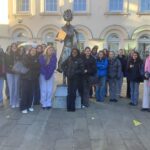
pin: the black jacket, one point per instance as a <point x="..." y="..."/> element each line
<point x="134" y="72"/>
<point x="73" y="67"/>
<point x="2" y="64"/>
<point x="10" y="60"/>
<point x="89" y="65"/>
<point x="32" y="63"/>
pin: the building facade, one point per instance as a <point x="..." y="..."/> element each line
<point x="111" y="24"/>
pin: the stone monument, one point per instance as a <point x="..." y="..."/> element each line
<point x="69" y="36"/>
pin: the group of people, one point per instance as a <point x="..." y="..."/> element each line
<point x="103" y="70"/>
<point x="29" y="75"/>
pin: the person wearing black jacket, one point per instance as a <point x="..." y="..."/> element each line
<point x="13" y="78"/>
<point x="123" y="61"/>
<point x="134" y="73"/>
<point x="30" y="81"/>
<point x="73" y="69"/>
<point x="90" y="70"/>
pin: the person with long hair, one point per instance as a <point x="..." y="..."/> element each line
<point x="89" y="71"/>
<point x="47" y="62"/>
<point x="146" y="93"/>
<point x="102" y="65"/>
<point x="134" y="69"/>
<point x="29" y="81"/>
<point x="73" y="68"/>
<point x="13" y="78"/>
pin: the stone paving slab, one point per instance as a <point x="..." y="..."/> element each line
<point x="102" y="126"/>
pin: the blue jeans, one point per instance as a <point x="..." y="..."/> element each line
<point x="1" y="89"/>
<point x="134" y="86"/>
<point x="100" y="89"/>
<point x="13" y="85"/>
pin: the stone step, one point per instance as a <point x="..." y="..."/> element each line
<point x="60" y="98"/>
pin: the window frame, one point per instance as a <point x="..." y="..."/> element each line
<point x="140" y="11"/>
<point x="22" y="11"/>
<point x="43" y="9"/>
<point x="117" y="10"/>
<point x="86" y="12"/>
<point x="124" y="11"/>
<point x="31" y="10"/>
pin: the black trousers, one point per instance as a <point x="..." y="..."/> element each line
<point x="128" y="94"/>
<point x="26" y="94"/>
<point x="71" y="97"/>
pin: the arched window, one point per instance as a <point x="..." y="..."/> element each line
<point x="116" y="5"/>
<point x="23" y="5"/>
<point x="79" y="5"/>
<point x="51" y="5"/>
<point x="81" y="41"/>
<point x="49" y="38"/>
<point x="113" y="42"/>
<point x="20" y="36"/>
<point x="143" y="44"/>
<point x="145" y="5"/>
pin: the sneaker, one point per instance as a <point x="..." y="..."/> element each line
<point x="48" y="108"/>
<point x="144" y="109"/>
<point x="115" y="100"/>
<point x="24" y="111"/>
<point x="31" y="109"/>
<point x="82" y="106"/>
<point x="13" y="106"/>
<point x="111" y="100"/>
<point x="17" y="106"/>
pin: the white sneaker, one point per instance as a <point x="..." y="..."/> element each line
<point x="31" y="109"/>
<point x="13" y="106"/>
<point x="17" y="106"/>
<point x="24" y="111"/>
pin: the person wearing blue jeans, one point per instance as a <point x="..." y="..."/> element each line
<point x="134" y="92"/>
<point x="102" y="64"/>
<point x="133" y="68"/>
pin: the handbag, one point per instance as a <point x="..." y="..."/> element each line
<point x="20" y="68"/>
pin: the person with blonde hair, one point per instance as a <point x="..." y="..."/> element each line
<point x="47" y="62"/>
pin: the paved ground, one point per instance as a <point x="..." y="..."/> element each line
<point x="103" y="126"/>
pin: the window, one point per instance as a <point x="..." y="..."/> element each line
<point x="113" y="42"/>
<point x="49" y="38"/>
<point x="116" y="5"/>
<point x="145" y="5"/>
<point x="80" y="5"/>
<point x="23" y="6"/>
<point x="81" y="41"/>
<point x="51" y="5"/>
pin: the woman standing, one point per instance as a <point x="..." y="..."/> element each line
<point x="134" y="69"/>
<point x="89" y="71"/>
<point x="146" y="94"/>
<point x="47" y="62"/>
<point x="102" y="65"/>
<point x="73" y="68"/>
<point x="29" y="81"/>
<point x="13" y="77"/>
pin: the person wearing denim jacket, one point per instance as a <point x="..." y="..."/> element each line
<point x="102" y="65"/>
<point x="114" y="74"/>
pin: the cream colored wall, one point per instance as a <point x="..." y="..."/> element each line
<point x="96" y="21"/>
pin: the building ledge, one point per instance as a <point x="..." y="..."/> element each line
<point x="116" y="13"/>
<point x="81" y="13"/>
<point x="23" y="14"/>
<point x="143" y="13"/>
<point x="50" y="14"/>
